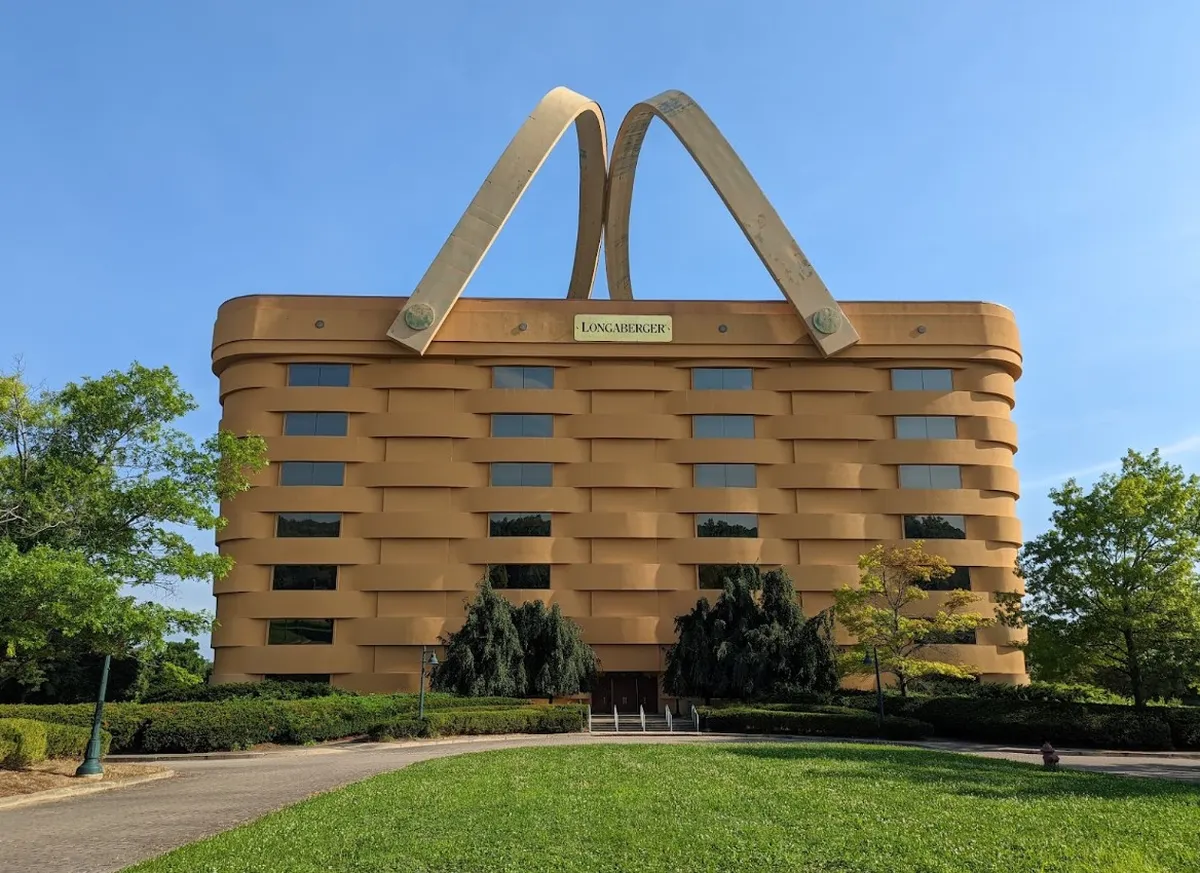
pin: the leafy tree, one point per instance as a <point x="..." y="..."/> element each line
<point x="1112" y="590"/>
<point x="484" y="658"/>
<point x="879" y="614"/>
<point x="97" y="487"/>
<point x="557" y="660"/>
<point x="754" y="642"/>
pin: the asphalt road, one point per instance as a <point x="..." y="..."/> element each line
<point x="105" y="832"/>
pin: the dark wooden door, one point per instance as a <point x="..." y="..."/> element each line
<point x="626" y="691"/>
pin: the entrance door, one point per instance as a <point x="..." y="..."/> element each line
<point x="626" y="691"/>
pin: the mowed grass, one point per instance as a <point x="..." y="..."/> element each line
<point x="730" y="807"/>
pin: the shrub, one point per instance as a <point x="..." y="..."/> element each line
<point x="24" y="741"/>
<point x="1033" y="723"/>
<point x="822" y="721"/>
<point x="1185" y="725"/>
<point x="566" y="718"/>
<point x="69" y="741"/>
<point x="269" y="689"/>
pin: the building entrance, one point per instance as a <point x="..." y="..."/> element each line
<point x="626" y="691"/>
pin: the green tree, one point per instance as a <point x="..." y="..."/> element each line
<point x="558" y="662"/>
<point x="1112" y="589"/>
<point x="484" y="658"/>
<point x="879" y="613"/>
<point x="97" y="491"/>
<point x="754" y="642"/>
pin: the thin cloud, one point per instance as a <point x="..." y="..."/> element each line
<point x="1183" y="447"/>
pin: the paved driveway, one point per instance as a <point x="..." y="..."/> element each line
<point x="105" y="832"/>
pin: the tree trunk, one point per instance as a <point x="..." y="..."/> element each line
<point x="1134" y="669"/>
<point x="903" y="683"/>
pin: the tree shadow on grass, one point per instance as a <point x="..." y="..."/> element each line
<point x="985" y="778"/>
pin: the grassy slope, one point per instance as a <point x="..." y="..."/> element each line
<point x="714" y="808"/>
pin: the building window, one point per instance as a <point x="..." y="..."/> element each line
<point x="312" y="473"/>
<point x="952" y="638"/>
<point x="926" y="427"/>
<point x="941" y="476"/>
<point x="959" y="580"/>
<point x="519" y="524"/>
<point x="314" y="424"/>
<point x="308" y="524"/>
<point x="724" y="475"/>
<point x="713" y="576"/>
<point x="737" y="524"/>
<point x="935" y="527"/>
<point x="315" y="678"/>
<point x="505" y="425"/>
<point x="300" y="632"/>
<point x="519" y="575"/>
<point x="709" y="427"/>
<point x="922" y="380"/>
<point x="304" y="577"/>
<point x="506" y="475"/>
<point x="324" y="375"/>
<point x="522" y="377"/>
<point x="721" y="379"/>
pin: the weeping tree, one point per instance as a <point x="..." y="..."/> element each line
<point x="507" y="651"/>
<point x="754" y="642"/>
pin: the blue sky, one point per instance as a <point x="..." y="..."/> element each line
<point x="161" y="157"/>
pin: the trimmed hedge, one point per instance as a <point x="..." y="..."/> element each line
<point x="240" y="723"/>
<point x="69" y="741"/>
<point x="812" y="721"/>
<point x="25" y="741"/>
<point x="269" y="689"/>
<point x="568" y="718"/>
<point x="1062" y="724"/>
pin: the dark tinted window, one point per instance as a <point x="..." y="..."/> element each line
<point x="724" y="475"/>
<point x="952" y="638"/>
<point x="326" y="375"/>
<point x="519" y="524"/>
<point x="522" y="377"/>
<point x="312" y="473"/>
<point x="922" y="380"/>
<point x="308" y="524"/>
<point x="926" y="427"/>
<point x="722" y="379"/>
<point x="525" y="425"/>
<point x="713" y="576"/>
<point x="959" y="579"/>
<point x="314" y="424"/>
<point x="300" y="631"/>
<point x="322" y="678"/>
<point x="519" y="575"/>
<point x="941" y="476"/>
<point x="304" y="577"/>
<point x="522" y="474"/>
<point x="935" y="527"/>
<point x="736" y="524"/>
<point x="723" y="426"/>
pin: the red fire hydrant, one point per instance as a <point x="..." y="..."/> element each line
<point x="1049" y="757"/>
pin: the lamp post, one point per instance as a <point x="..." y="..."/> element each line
<point x="429" y="658"/>
<point x="91" y="767"/>
<point x="873" y="657"/>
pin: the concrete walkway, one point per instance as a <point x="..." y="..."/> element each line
<point x="106" y="832"/>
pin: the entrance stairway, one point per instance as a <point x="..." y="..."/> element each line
<point x="631" y="723"/>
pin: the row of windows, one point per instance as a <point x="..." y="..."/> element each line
<point x="703" y="378"/>
<point x="908" y="427"/>
<point x="539" y="474"/>
<point x="738" y="524"/>
<point x="323" y="577"/>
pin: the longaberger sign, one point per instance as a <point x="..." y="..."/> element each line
<point x="623" y="328"/>
<point x="605" y="199"/>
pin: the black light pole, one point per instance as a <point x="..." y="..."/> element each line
<point x="873" y="656"/>
<point x="432" y="660"/>
<point x="91" y="766"/>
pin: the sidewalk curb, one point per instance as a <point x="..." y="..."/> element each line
<point x="53" y="794"/>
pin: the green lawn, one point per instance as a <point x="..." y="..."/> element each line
<point x="744" y="807"/>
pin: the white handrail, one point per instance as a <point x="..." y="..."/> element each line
<point x="670" y="723"/>
<point x="695" y="718"/>
<point x="589" y="718"/>
<point x="642" y="716"/>
<point x="616" y="720"/>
